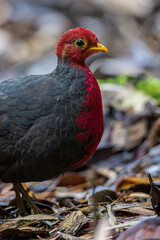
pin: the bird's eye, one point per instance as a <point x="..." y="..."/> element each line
<point x="80" y="43"/>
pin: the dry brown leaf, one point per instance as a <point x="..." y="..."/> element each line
<point x="133" y="207"/>
<point x="135" y="196"/>
<point x="86" y="236"/>
<point x="139" y="211"/>
<point x="139" y="195"/>
<point x="44" y="195"/>
<point x="155" y="195"/>
<point x="73" y="222"/>
<point x="127" y="182"/>
<point x="35" y="217"/>
<point x="71" y="179"/>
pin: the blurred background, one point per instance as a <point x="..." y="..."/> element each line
<point x="30" y="29"/>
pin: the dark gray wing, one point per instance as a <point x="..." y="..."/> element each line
<point x="38" y="126"/>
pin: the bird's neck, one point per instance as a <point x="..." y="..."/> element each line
<point x="75" y="64"/>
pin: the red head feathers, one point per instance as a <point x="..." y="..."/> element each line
<point x="77" y="44"/>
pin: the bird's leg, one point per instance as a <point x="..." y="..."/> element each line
<point x="28" y="199"/>
<point x="20" y="204"/>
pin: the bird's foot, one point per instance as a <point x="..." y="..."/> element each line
<point x="20" y="189"/>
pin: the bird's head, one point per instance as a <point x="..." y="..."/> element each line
<point x="77" y="44"/>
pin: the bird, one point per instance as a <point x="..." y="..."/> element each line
<point x="52" y="123"/>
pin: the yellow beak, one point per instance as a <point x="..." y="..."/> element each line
<point x="99" y="48"/>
